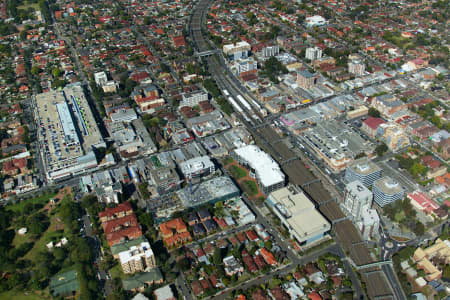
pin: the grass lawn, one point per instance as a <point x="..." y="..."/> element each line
<point x="116" y="272"/>
<point x="228" y="161"/>
<point x="27" y="5"/>
<point x="47" y="236"/>
<point x="19" y="206"/>
<point x="244" y="277"/>
<point x="237" y="172"/>
<point x="20" y="239"/>
<point x="16" y="295"/>
<point x="399" y="216"/>
<point x="250" y="187"/>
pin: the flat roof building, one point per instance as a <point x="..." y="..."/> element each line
<point x="211" y="191"/>
<point x="262" y="167"/>
<point x="237" y="51"/>
<point x="299" y="215"/>
<point x="67" y="132"/>
<point x="314" y="21"/>
<point x="123" y="115"/>
<point x="197" y="167"/>
<point x="356" y="197"/>
<point x="336" y="144"/>
<point x="386" y="190"/>
<point x="363" y="170"/>
<point x="137" y="259"/>
<point x="164" y="293"/>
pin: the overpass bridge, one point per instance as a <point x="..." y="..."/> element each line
<point x="207" y="53"/>
<point x="374" y="264"/>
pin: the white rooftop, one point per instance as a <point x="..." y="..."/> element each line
<point x="136" y="253"/>
<point x="196" y="164"/>
<point x="299" y="212"/>
<point x="164" y="293"/>
<point x="267" y="170"/>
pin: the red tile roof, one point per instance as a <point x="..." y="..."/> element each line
<point x="251" y="235"/>
<point x="175" y="224"/>
<point x="178" y="41"/>
<point x="374" y="122"/>
<point x="423" y="201"/>
<point x="268" y="256"/>
<point x="121" y="229"/>
<point x="110" y="212"/>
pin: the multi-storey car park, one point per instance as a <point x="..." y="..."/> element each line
<point x="67" y="132"/>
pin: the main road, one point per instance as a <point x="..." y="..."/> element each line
<point x="221" y="75"/>
<point x="267" y="139"/>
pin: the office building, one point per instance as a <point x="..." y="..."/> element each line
<point x="108" y="86"/>
<point x="197" y="167"/>
<point x="369" y="223"/>
<point x="67" y="132"/>
<point x="194" y="98"/>
<point x="388" y="105"/>
<point x="137" y="258"/>
<point x="207" y="124"/>
<point x="356" y="197"/>
<point x="123" y="115"/>
<point x="299" y="215"/>
<point x="237" y="51"/>
<point x="244" y="66"/>
<point x="394" y="136"/>
<point x="313" y="53"/>
<point x="270" y="51"/>
<point x="386" y="190"/>
<point x="335" y="146"/>
<point x="106" y="187"/>
<point x="356" y="67"/>
<point x="100" y="78"/>
<point x="364" y="171"/>
<point x="306" y="79"/>
<point x="261" y="166"/>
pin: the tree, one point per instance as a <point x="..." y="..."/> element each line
<point x="381" y="149"/>
<point x="362" y="154"/>
<point x="183" y="264"/>
<point x="26" y="135"/>
<point x="190" y="68"/>
<point x="56" y="72"/>
<point x="217" y="256"/>
<point x="37" y="223"/>
<point x="419" y="229"/>
<point x="35" y="70"/>
<point x="418" y="169"/>
<point x="273" y="67"/>
<point x="146" y="220"/>
<point x="373" y="112"/>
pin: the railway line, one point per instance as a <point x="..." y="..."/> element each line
<point x="266" y="138"/>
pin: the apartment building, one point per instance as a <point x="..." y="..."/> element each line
<point x="137" y="259"/>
